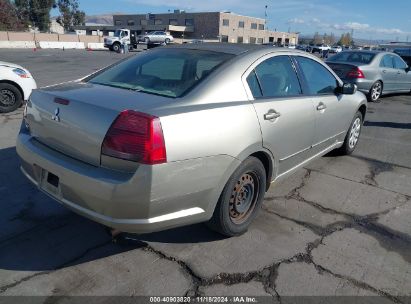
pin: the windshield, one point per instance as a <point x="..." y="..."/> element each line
<point x="357" y="57"/>
<point x="166" y="72"/>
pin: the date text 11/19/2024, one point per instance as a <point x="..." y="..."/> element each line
<point x="204" y="299"/>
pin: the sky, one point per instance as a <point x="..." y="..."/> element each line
<point x="370" y="19"/>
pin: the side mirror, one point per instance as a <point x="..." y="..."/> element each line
<point x="407" y="69"/>
<point x="349" y="88"/>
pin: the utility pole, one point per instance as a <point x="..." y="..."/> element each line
<point x="265" y="18"/>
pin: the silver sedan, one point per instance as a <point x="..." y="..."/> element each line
<point x="186" y="134"/>
<point x="375" y="73"/>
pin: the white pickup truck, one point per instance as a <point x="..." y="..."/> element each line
<point x="319" y="48"/>
<point x="121" y="36"/>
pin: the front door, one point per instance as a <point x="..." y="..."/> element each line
<point x="403" y="75"/>
<point x="389" y="74"/>
<point x="287" y="118"/>
<point x="331" y="109"/>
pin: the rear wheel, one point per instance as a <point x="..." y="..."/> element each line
<point x="353" y="134"/>
<point x="10" y="98"/>
<point x="241" y="199"/>
<point x="375" y="92"/>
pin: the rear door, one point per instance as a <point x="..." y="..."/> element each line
<point x="332" y="113"/>
<point x="286" y="116"/>
<point x="403" y="75"/>
<point x="389" y="73"/>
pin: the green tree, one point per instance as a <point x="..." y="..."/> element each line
<point x="9" y="19"/>
<point x="71" y="15"/>
<point x="317" y="38"/>
<point x="23" y="11"/>
<point x="345" y="39"/>
<point x="35" y="12"/>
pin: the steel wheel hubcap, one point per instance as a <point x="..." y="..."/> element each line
<point x="244" y="197"/>
<point x="376" y="91"/>
<point x="7" y="97"/>
<point x="355" y="132"/>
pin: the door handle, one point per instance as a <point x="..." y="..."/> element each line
<point x="271" y="115"/>
<point x="321" y="106"/>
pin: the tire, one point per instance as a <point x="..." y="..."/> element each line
<point x="240" y="200"/>
<point x="375" y="92"/>
<point x="10" y="98"/>
<point x="116" y="47"/>
<point x="167" y="41"/>
<point x="353" y="134"/>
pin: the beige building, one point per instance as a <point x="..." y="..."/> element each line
<point x="217" y="26"/>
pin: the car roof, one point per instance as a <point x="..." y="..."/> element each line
<point x="229" y="48"/>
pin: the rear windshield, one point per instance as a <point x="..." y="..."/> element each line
<point x="167" y="72"/>
<point x="357" y="57"/>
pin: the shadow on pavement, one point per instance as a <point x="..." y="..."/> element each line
<point x="387" y="124"/>
<point x="39" y="234"/>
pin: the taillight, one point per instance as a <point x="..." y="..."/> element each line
<point x="355" y="73"/>
<point x="137" y="137"/>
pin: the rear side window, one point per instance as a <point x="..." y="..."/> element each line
<point x="399" y="63"/>
<point x="276" y="78"/>
<point x="254" y="85"/>
<point x="319" y="80"/>
<point x="387" y="62"/>
<point x="167" y="72"/>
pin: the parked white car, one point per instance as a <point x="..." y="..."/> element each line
<point x="156" y="37"/>
<point x="336" y="49"/>
<point x="16" y="84"/>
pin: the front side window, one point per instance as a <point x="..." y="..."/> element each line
<point x="319" y="79"/>
<point x="276" y="78"/>
<point x="169" y="73"/>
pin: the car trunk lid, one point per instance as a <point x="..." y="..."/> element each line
<point x="342" y="69"/>
<point x="74" y="118"/>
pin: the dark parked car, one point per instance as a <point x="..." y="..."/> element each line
<point x="405" y="55"/>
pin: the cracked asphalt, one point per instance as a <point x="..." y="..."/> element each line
<point x="340" y="226"/>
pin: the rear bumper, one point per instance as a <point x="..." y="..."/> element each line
<point x="363" y="85"/>
<point x="151" y="199"/>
